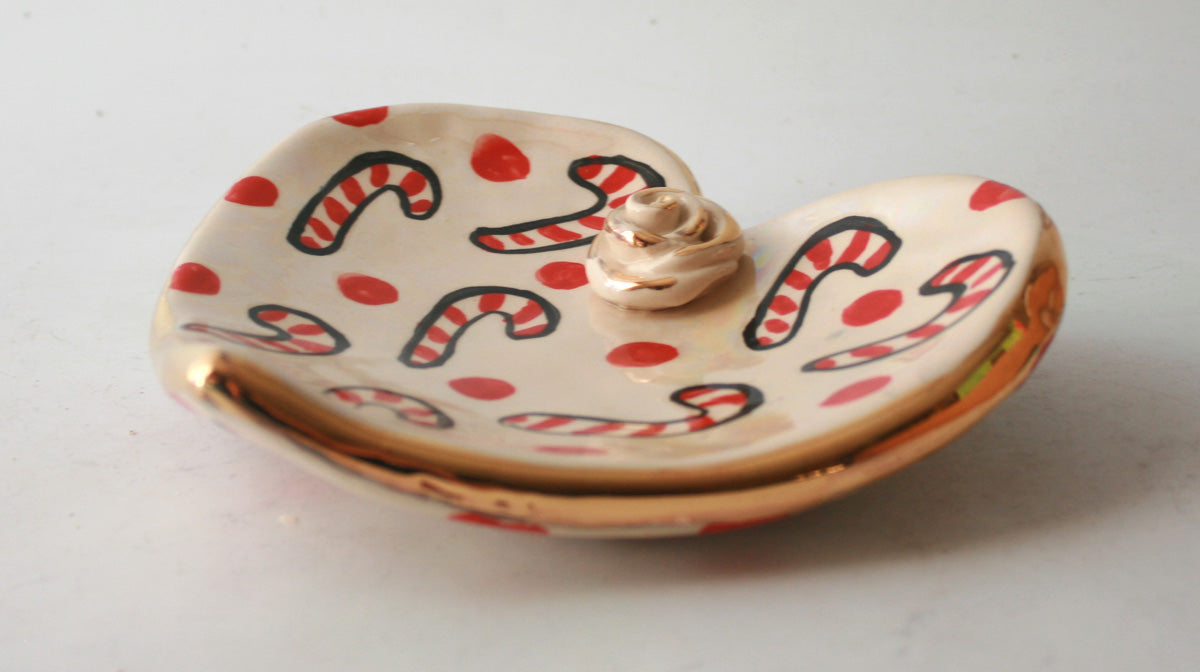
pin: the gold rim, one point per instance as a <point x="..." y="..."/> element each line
<point x="760" y="487"/>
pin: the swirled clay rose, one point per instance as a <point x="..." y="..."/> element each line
<point x="662" y="248"/>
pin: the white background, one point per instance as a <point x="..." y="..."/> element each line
<point x="1061" y="533"/>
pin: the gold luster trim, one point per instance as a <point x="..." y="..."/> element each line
<point x="755" y="488"/>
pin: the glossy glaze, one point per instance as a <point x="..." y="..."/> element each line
<point x="397" y="297"/>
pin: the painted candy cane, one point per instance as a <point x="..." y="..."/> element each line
<point x="322" y="225"/>
<point x="717" y="404"/>
<point x="861" y="244"/>
<point x="294" y="332"/>
<point x="611" y="178"/>
<point x="405" y="407"/>
<point x="526" y="315"/>
<point x="968" y="281"/>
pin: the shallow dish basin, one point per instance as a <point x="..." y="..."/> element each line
<point x="396" y="297"/>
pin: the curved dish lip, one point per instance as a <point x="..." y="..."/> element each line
<point x="592" y="497"/>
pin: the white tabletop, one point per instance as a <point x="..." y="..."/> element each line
<point x="1061" y="533"/>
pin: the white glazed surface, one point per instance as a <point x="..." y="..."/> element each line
<point x="568" y="371"/>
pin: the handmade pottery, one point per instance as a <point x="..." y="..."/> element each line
<point x="399" y="298"/>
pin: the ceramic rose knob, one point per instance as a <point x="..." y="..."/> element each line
<point x="662" y="248"/>
<point x="534" y="323"/>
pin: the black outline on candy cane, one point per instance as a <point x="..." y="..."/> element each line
<point x="357" y="165"/>
<point x="648" y="175"/>
<point x="956" y="291"/>
<point x="754" y="399"/>
<point x="854" y="222"/>
<point x="510" y="328"/>
<point x="281" y="336"/>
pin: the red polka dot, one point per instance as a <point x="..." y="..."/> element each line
<point x="498" y="160"/>
<point x="487" y="389"/>
<point x="992" y="193"/>
<point x="824" y="364"/>
<point x="641" y="353"/>
<point x="856" y="391"/>
<point x="562" y="275"/>
<point x="361" y="118"/>
<point x="195" y="279"/>
<point x="256" y="191"/>
<point x="366" y="289"/>
<point x="872" y="307"/>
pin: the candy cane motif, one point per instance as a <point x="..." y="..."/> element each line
<point x="968" y="281"/>
<point x="294" y="332"/>
<point x="611" y="178"/>
<point x="717" y="403"/>
<point x="405" y="407"/>
<point x="526" y="315"/>
<point x="861" y="244"/>
<point x="324" y="222"/>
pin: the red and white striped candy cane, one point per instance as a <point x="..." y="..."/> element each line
<point x="968" y="281"/>
<point x="405" y="407"/>
<point x="861" y="244"/>
<point x="324" y="222"/>
<point x="611" y="178"/>
<point x="294" y="332"/>
<point x="526" y="315"/>
<point x="718" y="404"/>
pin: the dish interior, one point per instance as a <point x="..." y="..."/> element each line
<point x="418" y="272"/>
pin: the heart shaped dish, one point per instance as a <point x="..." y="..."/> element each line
<point x="397" y="297"/>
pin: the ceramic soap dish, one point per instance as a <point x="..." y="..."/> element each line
<point x="400" y="299"/>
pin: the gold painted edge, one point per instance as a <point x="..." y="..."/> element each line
<point x="238" y="388"/>
<point x="1007" y="368"/>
